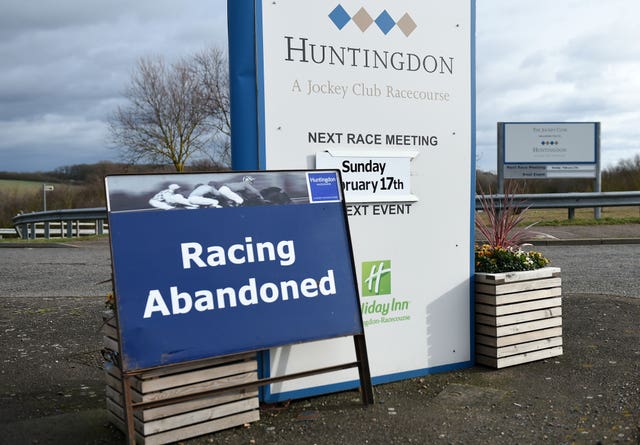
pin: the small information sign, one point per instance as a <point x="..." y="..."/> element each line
<point x="372" y="176"/>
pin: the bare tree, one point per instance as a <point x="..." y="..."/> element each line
<point x="211" y="70"/>
<point x="166" y="118"/>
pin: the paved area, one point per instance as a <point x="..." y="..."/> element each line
<point x="52" y="392"/>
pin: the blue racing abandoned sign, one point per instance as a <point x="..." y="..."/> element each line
<point x="220" y="263"/>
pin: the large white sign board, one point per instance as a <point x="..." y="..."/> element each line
<point x="379" y="86"/>
<point x="548" y="149"/>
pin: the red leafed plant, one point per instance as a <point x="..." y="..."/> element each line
<point x="498" y="223"/>
<point x="501" y="219"/>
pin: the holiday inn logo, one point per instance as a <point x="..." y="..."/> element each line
<point x="376" y="278"/>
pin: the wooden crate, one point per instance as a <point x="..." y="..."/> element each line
<point x="518" y="316"/>
<point x="179" y="421"/>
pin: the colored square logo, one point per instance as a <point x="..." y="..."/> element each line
<point x="385" y="22"/>
<point x="323" y="187"/>
<point x="339" y="17"/>
<point x="376" y="278"/>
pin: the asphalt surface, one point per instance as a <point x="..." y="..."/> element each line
<point x="52" y="389"/>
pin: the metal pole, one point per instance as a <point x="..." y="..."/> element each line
<point x="597" y="211"/>
<point x="500" y="147"/>
<point x="44" y="197"/>
<point x="128" y="408"/>
<point x="363" y="369"/>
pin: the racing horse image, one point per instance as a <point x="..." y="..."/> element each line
<point x="231" y="194"/>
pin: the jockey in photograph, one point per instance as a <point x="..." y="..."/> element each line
<point x="198" y="195"/>
<point x="168" y="199"/>
<point x="241" y="188"/>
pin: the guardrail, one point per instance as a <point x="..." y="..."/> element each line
<point x="8" y="232"/>
<point x="570" y="201"/>
<point x="64" y="223"/>
<point x="74" y="222"/>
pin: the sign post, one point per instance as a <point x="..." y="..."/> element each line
<point x="547" y="150"/>
<point x="384" y="93"/>
<point x="209" y="265"/>
<point x="45" y="188"/>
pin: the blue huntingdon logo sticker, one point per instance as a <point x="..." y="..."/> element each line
<point x="363" y="20"/>
<point x="323" y="187"/>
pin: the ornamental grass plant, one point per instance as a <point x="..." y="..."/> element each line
<point x="500" y="224"/>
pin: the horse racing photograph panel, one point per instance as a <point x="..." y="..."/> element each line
<point x="205" y="190"/>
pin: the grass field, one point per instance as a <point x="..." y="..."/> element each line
<point x="621" y="214"/>
<point x="17" y="187"/>
<point x="610" y="215"/>
<point x="20" y="186"/>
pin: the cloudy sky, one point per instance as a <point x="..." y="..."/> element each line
<point x="65" y="64"/>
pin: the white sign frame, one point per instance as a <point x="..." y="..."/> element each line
<point x="548" y="150"/>
<point x="300" y="112"/>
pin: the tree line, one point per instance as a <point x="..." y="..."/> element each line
<point x="75" y="186"/>
<point x="82" y="185"/>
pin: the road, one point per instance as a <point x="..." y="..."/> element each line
<point x="52" y="384"/>
<point x="81" y="270"/>
<point x="78" y="269"/>
<point x="606" y="269"/>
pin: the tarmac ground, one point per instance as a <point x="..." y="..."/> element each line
<point x="52" y="387"/>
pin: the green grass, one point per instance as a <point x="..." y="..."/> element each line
<point x="583" y="217"/>
<point x="16" y="185"/>
<point x="21" y="186"/>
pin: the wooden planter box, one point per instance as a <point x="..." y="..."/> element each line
<point x="180" y="421"/>
<point x="518" y="316"/>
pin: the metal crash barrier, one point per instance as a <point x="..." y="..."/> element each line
<point x="79" y="222"/>
<point x="66" y="223"/>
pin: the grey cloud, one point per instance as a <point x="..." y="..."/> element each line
<point x="64" y="66"/>
<point x="565" y="61"/>
<point x="33" y="15"/>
